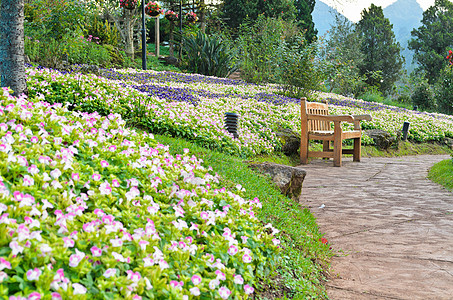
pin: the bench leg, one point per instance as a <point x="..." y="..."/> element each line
<point x="337" y="145"/>
<point x="303" y="151"/>
<point x="357" y="149"/>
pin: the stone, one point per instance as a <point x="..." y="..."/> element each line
<point x="290" y="141"/>
<point x="87" y="69"/>
<point x="170" y="60"/>
<point x="382" y="139"/>
<point x="449" y="142"/>
<point x="288" y="179"/>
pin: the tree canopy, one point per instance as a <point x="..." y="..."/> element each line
<point x="234" y="12"/>
<point x="382" y="51"/>
<point x="304" y="10"/>
<point x="433" y="39"/>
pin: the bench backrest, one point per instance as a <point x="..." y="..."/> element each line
<point x="317" y="109"/>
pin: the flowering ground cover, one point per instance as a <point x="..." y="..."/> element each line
<point x="193" y="106"/>
<point x="91" y="209"/>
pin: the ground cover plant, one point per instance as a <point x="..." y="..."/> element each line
<point x="192" y="107"/>
<point x="442" y="173"/>
<point x="92" y="209"/>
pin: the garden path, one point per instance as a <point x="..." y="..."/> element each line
<point x="392" y="227"/>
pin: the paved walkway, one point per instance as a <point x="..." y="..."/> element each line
<point x="393" y="228"/>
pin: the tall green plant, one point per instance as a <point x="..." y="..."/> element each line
<point x="261" y="44"/>
<point x="302" y="71"/>
<point x="207" y="55"/>
<point x="444" y="91"/>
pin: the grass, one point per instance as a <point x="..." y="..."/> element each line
<point x="299" y="273"/>
<point x="442" y="173"/>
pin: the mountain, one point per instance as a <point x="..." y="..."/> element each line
<point x="323" y="17"/>
<point x="405" y="15"/>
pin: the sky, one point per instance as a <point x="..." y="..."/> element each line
<point x="352" y="8"/>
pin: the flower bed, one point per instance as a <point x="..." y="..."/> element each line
<point x="91" y="209"/>
<point x="192" y="106"/>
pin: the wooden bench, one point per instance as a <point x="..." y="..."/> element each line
<point x="316" y="125"/>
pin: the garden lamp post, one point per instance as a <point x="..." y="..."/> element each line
<point x="143" y="37"/>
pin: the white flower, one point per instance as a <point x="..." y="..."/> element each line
<point x="33" y="274"/>
<point x="195" y="291"/>
<point x="110" y="272"/>
<point x="224" y="292"/>
<point x="76" y="258"/>
<point x="79" y="289"/>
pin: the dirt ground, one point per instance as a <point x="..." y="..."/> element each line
<point x="391" y="227"/>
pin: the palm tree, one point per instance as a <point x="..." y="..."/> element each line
<point x="12" y="68"/>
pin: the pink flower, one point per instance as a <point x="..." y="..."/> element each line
<point x="246" y="258"/>
<point x="248" y="289"/>
<point x="224" y="292"/>
<point x="76" y="258"/>
<point x="105" y="188"/>
<point x="28" y="181"/>
<point x="177" y="284"/>
<point x="134" y="276"/>
<point x="68" y="242"/>
<point x="96" y="251"/>
<point x="79" y="289"/>
<point x="115" y="183"/>
<point x="56" y="296"/>
<point x="233" y="250"/>
<point x="3" y="276"/>
<point x="148" y="262"/>
<point x="276" y="242"/>
<point x="96" y="176"/>
<point x="196" y="279"/>
<point x="34" y="296"/>
<point x="109" y="273"/>
<point x="112" y="148"/>
<point x="33" y="274"/>
<point x="104" y="163"/>
<point x="75" y="176"/>
<point x="238" y="279"/>
<point x="220" y="275"/>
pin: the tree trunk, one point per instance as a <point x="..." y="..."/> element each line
<point x="12" y="68"/>
<point x="129" y="33"/>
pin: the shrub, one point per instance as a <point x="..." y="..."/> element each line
<point x="207" y="55"/>
<point x="301" y="72"/>
<point x="444" y="91"/>
<point x="261" y="48"/>
<point x="106" y="33"/>
<point x="423" y="97"/>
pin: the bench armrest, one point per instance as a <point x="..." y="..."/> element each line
<point x="333" y="118"/>
<point x="362" y="117"/>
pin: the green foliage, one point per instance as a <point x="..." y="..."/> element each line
<point x="235" y="12"/>
<point x="343" y="56"/>
<point x="433" y="38"/>
<point x="261" y="45"/>
<point x="102" y="29"/>
<point x="73" y="46"/>
<point x="301" y="71"/>
<point x="53" y="19"/>
<point x="442" y="173"/>
<point x="299" y="263"/>
<point x="304" y="10"/>
<point x="381" y="50"/>
<point x="423" y="97"/>
<point x="444" y="91"/>
<point x="207" y="55"/>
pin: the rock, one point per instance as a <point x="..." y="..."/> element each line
<point x="86" y="69"/>
<point x="449" y="142"/>
<point x="290" y="141"/>
<point x="170" y="60"/>
<point x="288" y="179"/>
<point x="382" y="139"/>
